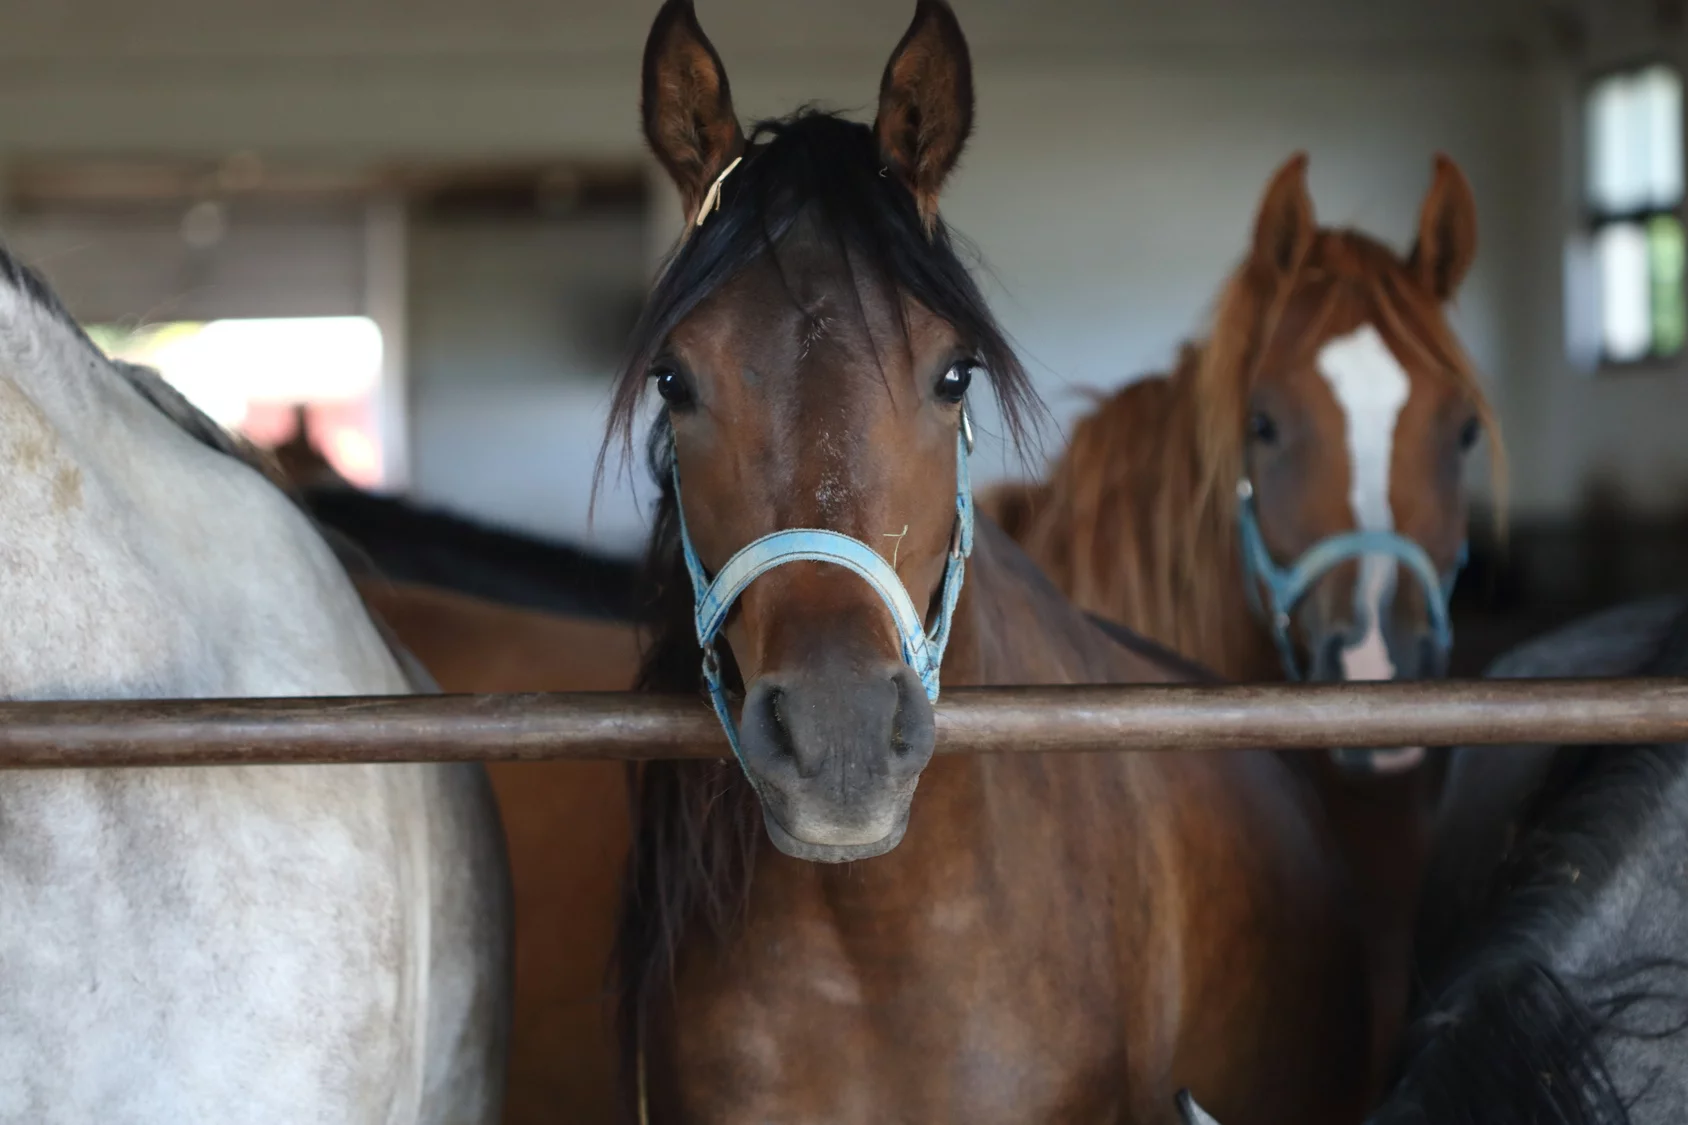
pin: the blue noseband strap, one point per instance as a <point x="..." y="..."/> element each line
<point x="922" y="651"/>
<point x="1284" y="587"/>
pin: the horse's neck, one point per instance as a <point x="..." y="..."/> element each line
<point x="144" y="562"/>
<point x="1241" y="647"/>
<point x="1012" y="626"/>
<point x="1127" y="552"/>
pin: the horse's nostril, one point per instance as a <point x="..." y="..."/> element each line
<point x="779" y="724"/>
<point x="901" y="745"/>
<point x="765" y="712"/>
<point x="912" y="726"/>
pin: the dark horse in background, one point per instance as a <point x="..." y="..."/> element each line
<point x="1557" y="917"/>
<point x="412" y="543"/>
<point x="1060" y="938"/>
<point x="432" y="547"/>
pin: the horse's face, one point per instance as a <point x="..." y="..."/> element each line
<point x="1358" y="419"/>
<point x="808" y="392"/>
<point x="783" y="418"/>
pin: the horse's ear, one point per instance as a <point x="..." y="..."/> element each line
<point x="687" y="106"/>
<point x="1284" y="229"/>
<point x="1191" y="1113"/>
<point x="1447" y="231"/>
<point x="926" y="104"/>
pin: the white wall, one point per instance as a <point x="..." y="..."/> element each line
<point x="1120" y="152"/>
<point x="508" y="385"/>
<point x="1571" y="430"/>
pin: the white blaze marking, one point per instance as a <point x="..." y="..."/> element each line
<point x="1370" y="386"/>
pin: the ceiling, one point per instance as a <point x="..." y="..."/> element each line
<point x="206" y="31"/>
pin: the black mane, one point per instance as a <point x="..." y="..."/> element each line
<point x="410" y="542"/>
<point x="697" y="825"/>
<point x="26" y="281"/>
<point x="1507" y="1037"/>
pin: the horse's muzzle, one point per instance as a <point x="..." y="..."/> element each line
<point x="835" y="755"/>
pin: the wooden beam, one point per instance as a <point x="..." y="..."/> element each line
<point x="981" y="720"/>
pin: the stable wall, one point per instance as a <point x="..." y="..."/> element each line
<point x="1119" y="155"/>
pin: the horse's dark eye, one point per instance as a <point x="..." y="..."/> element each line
<point x="953" y="384"/>
<point x="1261" y="428"/>
<point x="1469" y="433"/>
<point x="671" y="385"/>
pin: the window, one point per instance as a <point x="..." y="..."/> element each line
<point x="266" y="378"/>
<point x="1633" y="195"/>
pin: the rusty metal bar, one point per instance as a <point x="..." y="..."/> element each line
<point x="980" y="720"/>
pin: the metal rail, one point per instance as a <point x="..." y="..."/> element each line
<point x="979" y="720"/>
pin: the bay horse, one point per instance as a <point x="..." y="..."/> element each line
<point x="1290" y="502"/>
<point x="256" y="944"/>
<point x="1033" y="938"/>
<point x="1565" y="997"/>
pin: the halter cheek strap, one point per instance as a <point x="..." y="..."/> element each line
<point x="922" y="650"/>
<point x="1284" y="587"/>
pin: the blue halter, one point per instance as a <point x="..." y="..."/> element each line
<point x="923" y="651"/>
<point x="1285" y="586"/>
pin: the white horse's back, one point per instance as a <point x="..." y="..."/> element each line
<point x="314" y="944"/>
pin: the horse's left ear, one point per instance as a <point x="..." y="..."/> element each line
<point x="1191" y="1113"/>
<point x="1447" y="231"/>
<point x="926" y="104"/>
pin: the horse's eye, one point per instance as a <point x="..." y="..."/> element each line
<point x="671" y="385"/>
<point x="1262" y="429"/>
<point x="952" y="384"/>
<point x="1469" y="433"/>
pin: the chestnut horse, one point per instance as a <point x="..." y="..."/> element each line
<point x="1331" y="398"/>
<point x="1067" y="938"/>
<point x="1290" y="502"/>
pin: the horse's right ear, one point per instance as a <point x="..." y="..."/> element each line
<point x="1284" y="230"/>
<point x="687" y="106"/>
<point x="1191" y="1113"/>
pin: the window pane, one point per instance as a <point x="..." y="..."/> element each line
<point x="1634" y="126"/>
<point x="1660" y="101"/>
<point x="1665" y="260"/>
<point x="1616" y="179"/>
<point x="1626" y="330"/>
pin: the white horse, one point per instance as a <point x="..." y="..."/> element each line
<point x="322" y="944"/>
